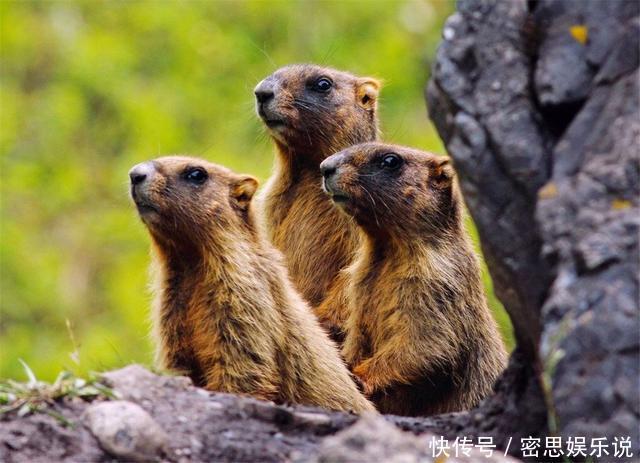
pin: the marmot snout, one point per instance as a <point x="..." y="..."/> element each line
<point x="177" y="201"/>
<point x="390" y="189"/>
<point x="315" y="111"/>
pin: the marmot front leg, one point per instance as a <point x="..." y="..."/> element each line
<point x="388" y="366"/>
<point x="353" y="347"/>
<point x="333" y="312"/>
<point x="405" y="356"/>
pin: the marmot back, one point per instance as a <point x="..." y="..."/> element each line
<point x="225" y="312"/>
<point x="419" y="334"/>
<point x="311" y="112"/>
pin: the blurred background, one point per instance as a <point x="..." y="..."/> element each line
<point x="89" y="89"/>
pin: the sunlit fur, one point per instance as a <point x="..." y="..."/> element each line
<point x="315" y="239"/>
<point x="225" y="312"/>
<point x="419" y="334"/>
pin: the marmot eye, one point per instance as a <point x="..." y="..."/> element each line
<point x="196" y="175"/>
<point x="323" y="85"/>
<point x="391" y="161"/>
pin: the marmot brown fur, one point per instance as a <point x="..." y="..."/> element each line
<point x="312" y="112"/>
<point x="419" y="334"/>
<point x="225" y="312"/>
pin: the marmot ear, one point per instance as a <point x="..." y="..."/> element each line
<point x="367" y="89"/>
<point x="242" y="190"/>
<point x="443" y="172"/>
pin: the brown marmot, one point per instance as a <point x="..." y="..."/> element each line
<point x="312" y="112"/>
<point x="225" y="312"/>
<point x="419" y="334"/>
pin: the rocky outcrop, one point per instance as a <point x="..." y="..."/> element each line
<point x="537" y="103"/>
<point x="364" y="442"/>
<point x="162" y="418"/>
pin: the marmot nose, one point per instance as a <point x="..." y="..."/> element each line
<point x="140" y="172"/>
<point x="263" y="96"/>
<point x="328" y="167"/>
<point x="264" y="91"/>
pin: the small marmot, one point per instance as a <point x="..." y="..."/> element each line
<point x="312" y="112"/>
<point x="419" y="335"/>
<point x="225" y="312"/>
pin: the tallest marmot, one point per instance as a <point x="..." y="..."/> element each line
<point x="312" y="112"/>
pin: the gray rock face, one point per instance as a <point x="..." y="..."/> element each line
<point x="201" y="426"/>
<point x="126" y="431"/>
<point x="373" y="438"/>
<point x="481" y="103"/>
<point x="538" y="104"/>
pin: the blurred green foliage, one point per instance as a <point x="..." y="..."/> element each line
<point x="90" y="88"/>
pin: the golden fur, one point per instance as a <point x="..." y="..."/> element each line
<point x="315" y="239"/>
<point x="419" y="334"/>
<point x="225" y="312"/>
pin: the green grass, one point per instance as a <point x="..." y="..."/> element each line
<point x="34" y="396"/>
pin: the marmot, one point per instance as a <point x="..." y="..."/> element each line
<point x="225" y="312"/>
<point x="312" y="112"/>
<point x="419" y="335"/>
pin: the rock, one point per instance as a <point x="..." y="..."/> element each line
<point x="494" y="132"/>
<point x="126" y="431"/>
<point x="542" y="125"/>
<point x="134" y="382"/>
<point x="42" y="438"/>
<point x="372" y="438"/>
<point x="203" y="426"/>
<point x="563" y="74"/>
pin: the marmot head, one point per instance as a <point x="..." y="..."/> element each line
<point x="184" y="201"/>
<point x="317" y="110"/>
<point x="388" y="188"/>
